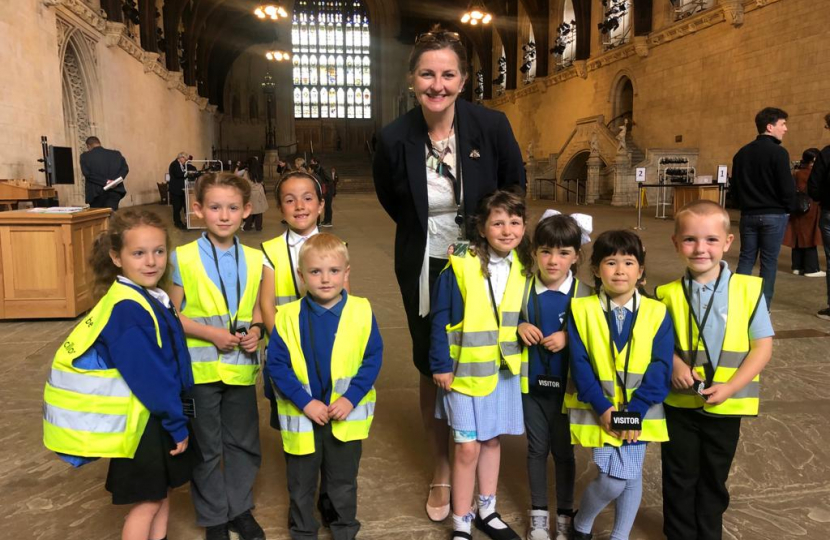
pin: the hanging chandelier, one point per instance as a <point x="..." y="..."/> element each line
<point x="476" y="14"/>
<point x="277" y="56"/>
<point x="271" y="11"/>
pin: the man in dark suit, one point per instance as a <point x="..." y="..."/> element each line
<point x="178" y="174"/>
<point x="100" y="166"/>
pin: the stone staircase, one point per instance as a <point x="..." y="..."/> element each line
<point x="353" y="168"/>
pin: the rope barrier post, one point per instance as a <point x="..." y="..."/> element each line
<point x="639" y="226"/>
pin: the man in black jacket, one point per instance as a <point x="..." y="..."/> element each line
<point x="178" y="174"/>
<point x="101" y="166"/>
<point x="818" y="187"/>
<point x="765" y="193"/>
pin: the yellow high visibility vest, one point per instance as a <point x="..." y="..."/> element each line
<point x="204" y="304"/>
<point x="276" y="250"/>
<point x="580" y="291"/>
<point x="591" y="322"/>
<point x="744" y="296"/>
<point x="346" y="359"/>
<point x="93" y="413"/>
<point x="479" y="342"/>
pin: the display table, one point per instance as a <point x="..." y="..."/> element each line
<point x="43" y="260"/>
<point x="13" y="192"/>
<point x="688" y="193"/>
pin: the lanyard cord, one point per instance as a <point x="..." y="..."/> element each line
<point x="231" y="320"/>
<point x="324" y="385"/>
<point x="627" y="346"/>
<point x="291" y="265"/>
<point x="710" y="371"/>
<point x="455" y="179"/>
<point x="502" y="362"/>
<point x="544" y="354"/>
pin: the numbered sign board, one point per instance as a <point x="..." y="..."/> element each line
<point x="640" y="175"/>
<point x="722" y="172"/>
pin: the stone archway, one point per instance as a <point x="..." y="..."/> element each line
<point x="78" y="112"/>
<point x="622" y="101"/>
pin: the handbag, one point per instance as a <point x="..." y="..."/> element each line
<point x="802" y="203"/>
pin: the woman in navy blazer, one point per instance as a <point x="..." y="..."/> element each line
<point x="416" y="172"/>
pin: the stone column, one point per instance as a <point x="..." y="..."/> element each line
<point x="284" y="105"/>
<point x="592" y="185"/>
<point x="622" y="172"/>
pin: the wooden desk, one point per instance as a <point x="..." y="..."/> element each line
<point x="11" y="194"/>
<point x="43" y="260"/>
<point x="689" y="193"/>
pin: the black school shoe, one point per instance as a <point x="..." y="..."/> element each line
<point x="496" y="534"/>
<point x="246" y="527"/>
<point x="328" y="514"/>
<point x="582" y="536"/>
<point x="217" y="532"/>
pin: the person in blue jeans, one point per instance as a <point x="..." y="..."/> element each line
<point x="818" y="187"/>
<point x="765" y="193"/>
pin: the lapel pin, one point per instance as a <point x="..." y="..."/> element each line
<point x="475" y="154"/>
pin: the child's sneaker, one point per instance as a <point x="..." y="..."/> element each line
<point x="564" y="526"/>
<point x="539" y="525"/>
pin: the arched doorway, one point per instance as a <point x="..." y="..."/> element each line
<point x="574" y="181"/>
<point x="77" y="111"/>
<point x="623" y="100"/>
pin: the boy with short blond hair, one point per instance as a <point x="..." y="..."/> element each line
<point x="324" y="356"/>
<point x="723" y="340"/>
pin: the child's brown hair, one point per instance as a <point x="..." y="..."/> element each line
<point x="222" y="179"/>
<point x="514" y="205"/>
<point x="112" y="239"/>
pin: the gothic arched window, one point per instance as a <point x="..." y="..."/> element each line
<point x="616" y="25"/>
<point x="330" y="42"/>
<point x="564" y="47"/>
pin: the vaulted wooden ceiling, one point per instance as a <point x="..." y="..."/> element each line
<point x="216" y="32"/>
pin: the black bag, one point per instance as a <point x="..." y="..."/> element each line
<point x="802" y="203"/>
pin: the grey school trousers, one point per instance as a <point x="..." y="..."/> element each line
<point x="227" y="428"/>
<point x="339" y="462"/>
<point x="548" y="432"/>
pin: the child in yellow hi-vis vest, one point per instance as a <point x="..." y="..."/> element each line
<point x="216" y="286"/>
<point x="323" y="358"/>
<point x="476" y="356"/>
<point x="723" y="339"/>
<point x="117" y="383"/>
<point x="621" y="359"/>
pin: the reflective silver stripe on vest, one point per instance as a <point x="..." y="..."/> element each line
<point x="483" y="338"/>
<point x="88" y="384"/>
<point x="216" y="321"/>
<point x="751" y="390"/>
<point x="525" y="369"/>
<point x="341" y="385"/>
<point x="587" y="417"/>
<point x="84" y="421"/>
<point x="362" y="412"/>
<point x="475" y="369"/>
<point x="234" y="358"/>
<point x="728" y="359"/>
<point x="295" y="424"/>
<point x="281" y="300"/>
<point x="510" y="318"/>
<point x="510" y="348"/>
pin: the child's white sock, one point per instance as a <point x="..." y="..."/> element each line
<point x="463" y="523"/>
<point x="486" y="506"/>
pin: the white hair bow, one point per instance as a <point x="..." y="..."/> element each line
<point x="585" y="222"/>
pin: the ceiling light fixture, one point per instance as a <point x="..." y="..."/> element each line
<point x="271" y="11"/>
<point x="476" y="14"/>
<point x="277" y="56"/>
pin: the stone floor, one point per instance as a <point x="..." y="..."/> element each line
<point x="780" y="482"/>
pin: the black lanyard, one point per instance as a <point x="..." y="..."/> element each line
<point x="710" y="371"/>
<point x="544" y="354"/>
<point x="231" y="320"/>
<point x="444" y="170"/>
<point x="628" y="345"/>
<point x="324" y="385"/>
<point x="291" y="267"/>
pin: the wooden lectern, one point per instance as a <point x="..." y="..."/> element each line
<point x="43" y="260"/>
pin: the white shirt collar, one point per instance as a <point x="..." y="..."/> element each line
<point x="495" y="259"/>
<point x="295" y="238"/>
<point x="628" y="305"/>
<point x="156" y="293"/>
<point x="564" y="288"/>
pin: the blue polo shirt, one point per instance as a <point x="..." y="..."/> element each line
<point x="229" y="269"/>
<point x="325" y="324"/>
<point x="715" y="328"/>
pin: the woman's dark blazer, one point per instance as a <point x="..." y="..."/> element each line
<point x="490" y="159"/>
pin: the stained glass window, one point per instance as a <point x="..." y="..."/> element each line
<point x="331" y="67"/>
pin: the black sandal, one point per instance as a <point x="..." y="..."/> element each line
<point x="496" y="534"/>
<point x="461" y="534"/>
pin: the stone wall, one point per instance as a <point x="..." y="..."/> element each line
<point x="117" y="92"/>
<point x="703" y="79"/>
